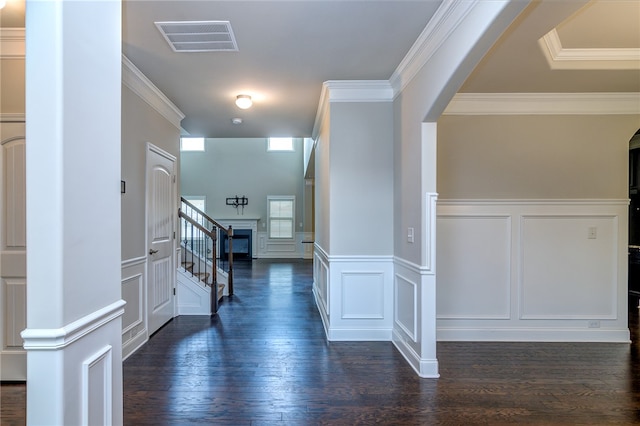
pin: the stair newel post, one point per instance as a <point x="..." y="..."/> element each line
<point x="230" y="239"/>
<point x="214" y="272"/>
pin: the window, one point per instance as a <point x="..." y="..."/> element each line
<point x="191" y="144"/>
<point x="280" y="144"/>
<point x="199" y="202"/>
<point x="281" y="216"/>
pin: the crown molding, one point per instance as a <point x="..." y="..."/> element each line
<point x="350" y="91"/>
<point x="544" y="104"/>
<point x="561" y="58"/>
<point x="135" y="80"/>
<point x="9" y="117"/>
<point x="443" y="23"/>
<point x="358" y="90"/>
<point x="12" y="43"/>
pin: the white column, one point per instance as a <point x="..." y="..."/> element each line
<point x="74" y="306"/>
<point x="428" y="360"/>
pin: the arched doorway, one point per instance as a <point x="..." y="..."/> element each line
<point x="634" y="216"/>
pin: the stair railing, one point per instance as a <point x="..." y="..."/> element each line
<point x="199" y="234"/>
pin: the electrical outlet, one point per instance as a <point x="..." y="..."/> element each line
<point x="594" y="324"/>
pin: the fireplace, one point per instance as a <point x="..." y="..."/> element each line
<point x="242" y="244"/>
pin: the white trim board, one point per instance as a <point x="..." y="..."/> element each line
<point x="58" y="338"/>
<point x="135" y="80"/>
<point x="532" y="335"/>
<point x="350" y="91"/>
<point x="562" y="58"/>
<point x="544" y="104"/>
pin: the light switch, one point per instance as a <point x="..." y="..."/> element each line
<point x="410" y="235"/>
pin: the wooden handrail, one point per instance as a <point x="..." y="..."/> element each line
<point x="204" y="214"/>
<point x="195" y="224"/>
<point x="212" y="234"/>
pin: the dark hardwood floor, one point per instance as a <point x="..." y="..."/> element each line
<point x="264" y="360"/>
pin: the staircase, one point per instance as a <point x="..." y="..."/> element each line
<point x="203" y="278"/>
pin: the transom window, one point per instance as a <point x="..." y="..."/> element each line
<point x="281" y="216"/>
<point x="280" y="144"/>
<point x="191" y="144"/>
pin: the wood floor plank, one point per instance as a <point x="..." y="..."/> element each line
<point x="264" y="360"/>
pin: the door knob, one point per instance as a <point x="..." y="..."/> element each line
<point x="152" y="251"/>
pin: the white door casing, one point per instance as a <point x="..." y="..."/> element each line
<point x="13" y="302"/>
<point x="161" y="271"/>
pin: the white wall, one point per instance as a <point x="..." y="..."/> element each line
<point x="353" y="263"/>
<point x="244" y="167"/>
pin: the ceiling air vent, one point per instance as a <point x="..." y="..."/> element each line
<point x="199" y="36"/>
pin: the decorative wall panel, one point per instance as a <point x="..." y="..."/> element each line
<point x="406" y="306"/>
<point x="474" y="267"/>
<point x="567" y="273"/>
<point x="362" y="295"/>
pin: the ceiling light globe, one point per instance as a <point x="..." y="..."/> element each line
<point x="243" y="101"/>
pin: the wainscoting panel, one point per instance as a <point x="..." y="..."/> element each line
<point x="480" y="289"/>
<point x="97" y="392"/>
<point x="277" y="249"/>
<point x="86" y="352"/>
<point x="532" y="270"/>
<point x="357" y="284"/>
<point x="321" y="284"/>
<point x="406" y="306"/>
<point x="414" y="325"/>
<point x="566" y="273"/>
<point x="134" y="327"/>
<point x="361" y="298"/>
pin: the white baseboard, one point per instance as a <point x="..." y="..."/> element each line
<point x="425" y="368"/>
<point x="133" y="344"/>
<point x="359" y="335"/>
<point x="533" y="335"/>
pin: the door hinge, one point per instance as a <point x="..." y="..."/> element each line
<point x="174" y="291"/>
<point x="174" y="178"/>
<point x="174" y="235"/>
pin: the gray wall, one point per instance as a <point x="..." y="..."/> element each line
<point x="140" y="124"/>
<point x="322" y="182"/>
<point x="361" y="175"/>
<point x="237" y="166"/>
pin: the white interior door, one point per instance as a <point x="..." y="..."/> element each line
<point x="13" y="251"/>
<point x="161" y="207"/>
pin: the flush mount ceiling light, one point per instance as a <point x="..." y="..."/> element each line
<point x="244" y="101"/>
<point x="236" y="120"/>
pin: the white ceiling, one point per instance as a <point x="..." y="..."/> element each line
<point x="288" y="48"/>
